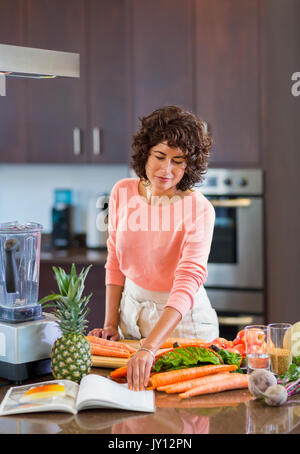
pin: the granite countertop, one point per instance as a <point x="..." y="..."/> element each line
<point x="230" y="412"/>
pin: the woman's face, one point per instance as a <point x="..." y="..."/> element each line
<point x="165" y="168"/>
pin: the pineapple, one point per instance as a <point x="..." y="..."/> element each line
<point x="71" y="353"/>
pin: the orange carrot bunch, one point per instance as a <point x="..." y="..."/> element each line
<point x="199" y="380"/>
<point x="104" y="347"/>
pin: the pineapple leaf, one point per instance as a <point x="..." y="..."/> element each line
<point x="84" y="301"/>
<point x="74" y="288"/>
<point x="52" y="297"/>
<point x="70" y="307"/>
<point x="73" y="273"/>
<point x="84" y="273"/>
<point x="61" y="279"/>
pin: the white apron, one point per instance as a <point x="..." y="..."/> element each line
<point x="140" y="309"/>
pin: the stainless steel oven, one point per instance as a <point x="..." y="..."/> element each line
<point x="235" y="282"/>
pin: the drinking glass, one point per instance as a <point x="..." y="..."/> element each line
<point x="256" y="347"/>
<point x="279" y="347"/>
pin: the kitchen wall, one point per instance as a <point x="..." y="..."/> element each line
<point x="27" y="192"/>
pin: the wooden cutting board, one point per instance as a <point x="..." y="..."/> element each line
<point x="109" y="361"/>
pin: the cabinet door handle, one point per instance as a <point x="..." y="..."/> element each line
<point x="231" y="203"/>
<point x="76" y="141"/>
<point x="2" y="85"/>
<point x="96" y="141"/>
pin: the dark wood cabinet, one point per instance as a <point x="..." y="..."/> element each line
<point x="127" y="70"/>
<point x="162" y="55"/>
<point x="68" y="120"/>
<point x="135" y="56"/>
<point x="204" y="56"/>
<point x="12" y="106"/>
<point x="227" y="75"/>
<point x="57" y="108"/>
<point x="108" y="89"/>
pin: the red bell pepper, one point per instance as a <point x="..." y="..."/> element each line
<point x="240" y="338"/>
<point x="238" y="348"/>
<point x="254" y="336"/>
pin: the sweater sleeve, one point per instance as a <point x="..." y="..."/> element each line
<point x="113" y="274"/>
<point x="191" y="271"/>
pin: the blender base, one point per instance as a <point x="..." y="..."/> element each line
<point x="20" y="314"/>
<point x="24" y="371"/>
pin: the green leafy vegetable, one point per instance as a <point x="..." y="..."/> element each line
<point x="231" y="358"/>
<point x="296" y="360"/>
<point x="184" y="357"/>
<point x="292" y="374"/>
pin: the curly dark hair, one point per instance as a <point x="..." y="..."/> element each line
<point x="179" y="128"/>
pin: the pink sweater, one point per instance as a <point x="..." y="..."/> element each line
<point x="160" y="248"/>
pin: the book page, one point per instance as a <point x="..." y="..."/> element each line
<point x="101" y="392"/>
<point x="54" y="395"/>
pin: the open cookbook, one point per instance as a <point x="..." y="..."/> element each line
<point x="94" y="391"/>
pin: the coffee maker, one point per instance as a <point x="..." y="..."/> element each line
<point x="26" y="333"/>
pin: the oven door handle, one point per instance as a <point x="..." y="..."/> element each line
<point x="236" y="321"/>
<point x="231" y="203"/>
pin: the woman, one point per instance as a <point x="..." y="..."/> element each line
<point x="160" y="233"/>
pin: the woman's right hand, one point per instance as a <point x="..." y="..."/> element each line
<point x="109" y="332"/>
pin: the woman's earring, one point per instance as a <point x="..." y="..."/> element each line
<point x="148" y="191"/>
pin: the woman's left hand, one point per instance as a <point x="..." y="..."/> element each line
<point x="138" y="370"/>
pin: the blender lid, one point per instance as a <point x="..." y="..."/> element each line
<point x="14" y="227"/>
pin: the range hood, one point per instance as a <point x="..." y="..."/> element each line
<point x="18" y="61"/>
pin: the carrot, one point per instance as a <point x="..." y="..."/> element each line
<point x="101" y="341"/>
<point x="233" y="381"/>
<point x="108" y="343"/>
<point x="162" y="351"/>
<point x="107" y="350"/>
<point x="183" y="342"/>
<point x="164" y="388"/>
<point x="173" y="376"/>
<point x="183" y="386"/>
<point x="110" y="349"/>
<point x="104" y="351"/>
<point x="128" y="347"/>
<point x="119" y="372"/>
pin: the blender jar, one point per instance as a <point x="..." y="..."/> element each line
<point x="19" y="271"/>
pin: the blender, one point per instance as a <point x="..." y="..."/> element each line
<point x="26" y="333"/>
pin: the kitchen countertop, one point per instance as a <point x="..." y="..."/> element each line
<point x="230" y="412"/>
<point x="77" y="252"/>
<point x="78" y="255"/>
